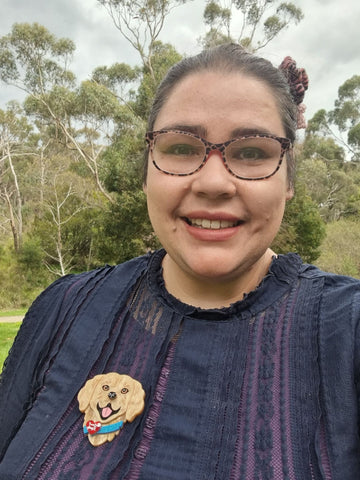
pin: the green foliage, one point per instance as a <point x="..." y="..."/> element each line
<point x="354" y="137"/>
<point x="323" y="148"/>
<point x="31" y="256"/>
<point x="8" y="333"/>
<point x="96" y="100"/>
<point x="213" y="37"/>
<point x="213" y="12"/>
<point x="15" y="163"/>
<point x="164" y="57"/>
<point x="262" y="21"/>
<point x="126" y="229"/>
<point x="318" y="123"/>
<point x="140" y="22"/>
<point x="31" y="56"/>
<point x="124" y="161"/>
<point x="217" y="18"/>
<point x="330" y="181"/>
<point x="302" y="230"/>
<point x="13" y="124"/>
<point x="116" y="74"/>
<point x="77" y="149"/>
<point x="285" y="14"/>
<point x="20" y="282"/>
<point x="341" y="248"/>
<point x="345" y="117"/>
<point x="54" y="226"/>
<point x="290" y="12"/>
<point x="60" y="102"/>
<point x="83" y="238"/>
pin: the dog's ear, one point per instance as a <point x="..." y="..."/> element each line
<point x="136" y="404"/>
<point x="86" y="392"/>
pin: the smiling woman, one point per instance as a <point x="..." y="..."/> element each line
<point x="249" y="361"/>
<point x="236" y="256"/>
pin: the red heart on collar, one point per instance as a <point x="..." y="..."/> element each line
<point x="93" y="427"/>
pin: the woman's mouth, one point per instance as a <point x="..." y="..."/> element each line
<point x="211" y="224"/>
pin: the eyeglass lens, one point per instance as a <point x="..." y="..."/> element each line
<point x="251" y="157"/>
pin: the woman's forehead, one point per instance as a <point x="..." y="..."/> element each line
<point x="234" y="100"/>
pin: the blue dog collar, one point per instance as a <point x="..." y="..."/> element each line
<point x="113" y="427"/>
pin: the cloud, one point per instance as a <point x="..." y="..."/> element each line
<point x="326" y="42"/>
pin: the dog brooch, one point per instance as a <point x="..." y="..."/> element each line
<point x="108" y="401"/>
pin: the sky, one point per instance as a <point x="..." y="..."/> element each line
<point x="326" y="42"/>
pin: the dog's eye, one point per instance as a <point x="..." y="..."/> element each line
<point x="105" y="387"/>
<point x="124" y="390"/>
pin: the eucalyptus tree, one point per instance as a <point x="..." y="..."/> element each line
<point x="53" y="226"/>
<point x="140" y="22"/>
<point x="331" y="154"/>
<point x="346" y="113"/>
<point x="14" y="154"/>
<point x="35" y="61"/>
<point x="251" y="23"/>
<point x="343" y="122"/>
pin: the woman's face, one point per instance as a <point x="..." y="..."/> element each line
<point x="217" y="107"/>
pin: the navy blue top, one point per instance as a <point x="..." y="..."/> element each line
<point x="266" y="389"/>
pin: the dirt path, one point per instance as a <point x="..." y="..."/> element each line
<point x="17" y="318"/>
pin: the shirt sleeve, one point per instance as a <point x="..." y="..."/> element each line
<point x="357" y="353"/>
<point x="23" y="369"/>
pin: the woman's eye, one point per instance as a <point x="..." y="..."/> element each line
<point x="181" y="149"/>
<point x="124" y="390"/>
<point x="249" y="153"/>
<point x="105" y="387"/>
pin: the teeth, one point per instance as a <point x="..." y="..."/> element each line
<point x="212" y="224"/>
<point x="206" y="224"/>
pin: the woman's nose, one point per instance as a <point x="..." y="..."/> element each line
<point x="213" y="179"/>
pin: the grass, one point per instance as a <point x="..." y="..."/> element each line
<point x="13" y="313"/>
<point x="8" y="332"/>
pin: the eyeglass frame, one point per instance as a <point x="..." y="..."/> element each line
<point x="285" y="144"/>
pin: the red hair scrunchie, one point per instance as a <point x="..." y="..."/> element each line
<point x="298" y="82"/>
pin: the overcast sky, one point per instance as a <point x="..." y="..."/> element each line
<point x="326" y="42"/>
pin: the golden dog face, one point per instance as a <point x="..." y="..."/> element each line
<point x="108" y="399"/>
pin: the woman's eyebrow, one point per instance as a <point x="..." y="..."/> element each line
<point x="202" y="131"/>
<point x="238" y="132"/>
<point x="195" y="129"/>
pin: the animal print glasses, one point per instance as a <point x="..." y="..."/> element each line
<point x="248" y="157"/>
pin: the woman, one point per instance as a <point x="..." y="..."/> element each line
<point x="249" y="361"/>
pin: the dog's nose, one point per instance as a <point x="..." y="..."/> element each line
<point x="112" y="395"/>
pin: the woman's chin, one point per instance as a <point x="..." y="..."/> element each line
<point x="212" y="266"/>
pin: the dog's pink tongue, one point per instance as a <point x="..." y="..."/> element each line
<point x="106" y="412"/>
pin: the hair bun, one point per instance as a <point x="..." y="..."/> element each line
<point x="297" y="79"/>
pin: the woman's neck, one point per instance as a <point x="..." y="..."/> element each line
<point x="213" y="293"/>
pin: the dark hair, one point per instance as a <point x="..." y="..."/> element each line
<point x="231" y="58"/>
